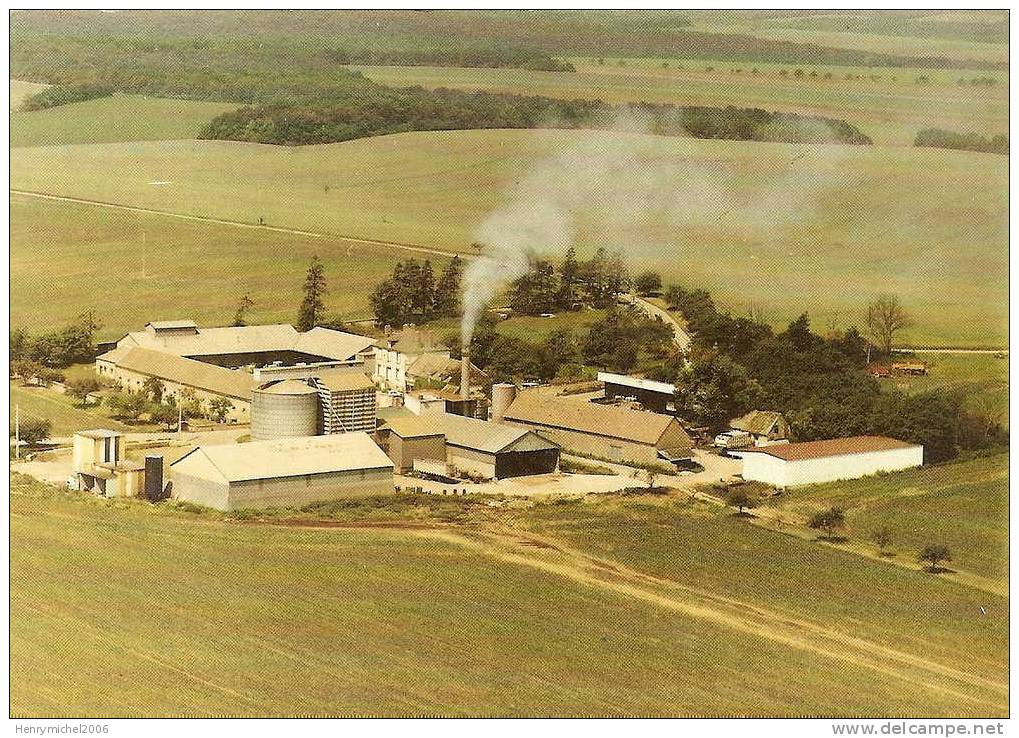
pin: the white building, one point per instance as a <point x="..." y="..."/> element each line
<point x="812" y="462"/>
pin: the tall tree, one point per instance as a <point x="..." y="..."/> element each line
<point x="242" y="310"/>
<point x="447" y="290"/>
<point x="423" y="291"/>
<point x="312" y="306"/>
<point x="569" y="280"/>
<point x="886" y="317"/>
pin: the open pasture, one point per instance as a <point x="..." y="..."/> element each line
<point x="891" y="109"/>
<point x="195" y="616"/>
<point x="135" y="267"/>
<point x="110" y="119"/>
<point x="786" y="228"/>
<point x="981" y="377"/>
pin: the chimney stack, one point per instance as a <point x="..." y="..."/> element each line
<point x="465" y="372"/>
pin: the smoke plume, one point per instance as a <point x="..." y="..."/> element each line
<point x="626" y="190"/>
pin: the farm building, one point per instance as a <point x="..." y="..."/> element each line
<point x="812" y="462"/>
<point x="659" y="397"/>
<point x="491" y="450"/>
<point x="397" y="351"/>
<point x="762" y="426"/>
<point x="100" y="467"/>
<point x="282" y="473"/>
<point x="348" y="402"/>
<point x="603" y="431"/>
<point x="210" y="363"/>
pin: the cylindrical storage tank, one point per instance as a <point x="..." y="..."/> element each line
<point x="502" y="397"/>
<point x="287" y="408"/>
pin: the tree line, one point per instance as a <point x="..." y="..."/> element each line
<point x="475" y="56"/>
<point x="942" y="139"/>
<point x="819" y="383"/>
<point x="413" y="295"/>
<point x="52" y="97"/>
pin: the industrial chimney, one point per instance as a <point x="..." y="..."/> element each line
<point x="465" y="372"/>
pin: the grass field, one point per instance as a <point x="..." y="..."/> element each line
<point x="344" y="621"/>
<point x="983" y="378"/>
<point x="890" y="112"/>
<point x="109" y="119"/>
<point x="66" y="415"/>
<point x="67" y="257"/>
<point x="20" y="90"/>
<point x="788" y="228"/>
<point x="962" y="505"/>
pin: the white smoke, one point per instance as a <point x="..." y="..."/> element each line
<point x="624" y="189"/>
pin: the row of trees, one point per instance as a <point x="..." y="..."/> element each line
<point x="963" y="141"/>
<point x="547" y="288"/>
<point x="413" y="295"/>
<point x="51" y="97"/>
<point x="473" y="56"/>
<point x="74" y="344"/>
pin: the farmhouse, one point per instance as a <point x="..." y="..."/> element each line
<point x="812" y="462"/>
<point x="458" y="443"/>
<point x="763" y="427"/>
<point x="282" y="473"/>
<point x="604" y="431"/>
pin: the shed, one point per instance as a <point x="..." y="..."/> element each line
<point x="813" y="462"/>
<point x="282" y="473"/>
<point x="763" y="426"/>
<point x="491" y="450"/>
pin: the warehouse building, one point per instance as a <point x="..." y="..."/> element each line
<point x="282" y="473"/>
<point x="812" y="462"/>
<point x="460" y="444"/>
<point x="604" y="431"/>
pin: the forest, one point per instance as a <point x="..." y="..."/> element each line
<point x="940" y="139"/>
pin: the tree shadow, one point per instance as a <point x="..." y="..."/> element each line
<point x="832" y="539"/>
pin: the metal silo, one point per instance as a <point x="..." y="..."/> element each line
<point x="287" y="408"/>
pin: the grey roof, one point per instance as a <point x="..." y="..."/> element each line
<point x="189" y="372"/>
<point x="98" y="433"/>
<point x="758" y="422"/>
<point x="461" y="431"/>
<point x="288" y="457"/>
<point x="288" y="387"/>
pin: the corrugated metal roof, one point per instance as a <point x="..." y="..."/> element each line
<point x="288" y="457"/>
<point x="161" y="325"/>
<point x="345" y="381"/>
<point x="461" y="431"/>
<point x="637" y="383"/>
<point x="546" y="407"/>
<point x="188" y="372"/>
<point x="831" y="447"/>
<point x="97" y="433"/>
<point x="288" y="387"/>
<point x="335" y="345"/>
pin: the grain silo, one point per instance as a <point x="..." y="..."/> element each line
<point x="287" y="408"/>
<point x="502" y="397"/>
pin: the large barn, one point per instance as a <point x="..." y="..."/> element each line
<point x="793" y="464"/>
<point x="490" y="450"/>
<point x="282" y="473"/>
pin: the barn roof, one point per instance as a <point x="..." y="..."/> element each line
<point x="833" y="447"/>
<point x="345" y="381"/>
<point x="189" y="372"/>
<point x="288" y="457"/>
<point x="464" y="432"/>
<point x="611" y="421"/>
<point x="758" y="422"/>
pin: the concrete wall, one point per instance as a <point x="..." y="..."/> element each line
<point x="200" y="491"/>
<point x="284" y="492"/>
<point x="134" y="382"/>
<point x="403" y="451"/>
<point x="589" y="444"/>
<point x="470" y="460"/>
<point x="390" y="369"/>
<point x="778" y="473"/>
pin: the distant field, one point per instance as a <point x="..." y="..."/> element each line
<point x="788" y="228"/>
<point x="962" y="505"/>
<point x="109" y="119"/>
<point x="20" y="90"/>
<point x="67" y="258"/>
<point x="890" y="112"/>
<point x="349" y="621"/>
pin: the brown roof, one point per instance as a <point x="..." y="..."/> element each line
<point x="191" y="373"/>
<point x="611" y="421"/>
<point x="345" y="381"/>
<point x="831" y="447"/>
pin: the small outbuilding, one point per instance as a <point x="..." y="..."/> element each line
<point x="763" y="427"/>
<point x="100" y="465"/>
<point x="794" y="464"/>
<point x="469" y="445"/>
<point x="282" y="473"/>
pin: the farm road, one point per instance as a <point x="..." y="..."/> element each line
<point x="240" y="224"/>
<point x="552" y="557"/>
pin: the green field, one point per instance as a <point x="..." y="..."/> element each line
<point x="788" y="228"/>
<point x="68" y="257"/>
<point x="64" y="412"/>
<point x="458" y="620"/>
<point x="109" y="119"/>
<point x="890" y="112"/>
<point x="983" y="378"/>
<point x="962" y="505"/>
<point x="20" y="90"/>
